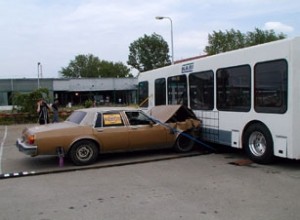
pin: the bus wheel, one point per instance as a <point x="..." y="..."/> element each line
<point x="258" y="143"/>
<point x="184" y="143"/>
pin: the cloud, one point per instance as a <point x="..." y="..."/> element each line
<point x="53" y="32"/>
<point x="278" y="26"/>
<point x="189" y="44"/>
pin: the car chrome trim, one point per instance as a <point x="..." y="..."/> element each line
<point x="25" y="148"/>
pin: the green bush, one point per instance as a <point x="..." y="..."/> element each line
<point x="16" y="118"/>
<point x="88" y="103"/>
<point x="27" y="102"/>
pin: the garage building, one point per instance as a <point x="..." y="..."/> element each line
<point x="104" y="91"/>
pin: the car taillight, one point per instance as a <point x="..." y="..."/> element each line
<point x="31" y="139"/>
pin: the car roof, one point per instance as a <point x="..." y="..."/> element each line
<point x="105" y="109"/>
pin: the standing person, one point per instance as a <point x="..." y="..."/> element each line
<point x="55" y="110"/>
<point x="42" y="110"/>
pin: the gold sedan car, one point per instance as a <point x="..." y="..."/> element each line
<point x="88" y="132"/>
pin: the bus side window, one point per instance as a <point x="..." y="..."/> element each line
<point x="271" y="86"/>
<point x="160" y="91"/>
<point x="233" y="88"/>
<point x="202" y="90"/>
<point x="177" y="90"/>
<point x="143" y="91"/>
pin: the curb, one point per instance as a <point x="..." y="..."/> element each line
<point x="72" y="169"/>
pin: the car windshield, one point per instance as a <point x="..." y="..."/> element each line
<point x="76" y="117"/>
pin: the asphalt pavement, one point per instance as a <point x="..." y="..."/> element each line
<point x="205" y="186"/>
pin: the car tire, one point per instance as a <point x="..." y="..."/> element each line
<point x="258" y="143"/>
<point x="184" y="143"/>
<point x="84" y="152"/>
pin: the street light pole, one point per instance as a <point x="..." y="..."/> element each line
<point x="172" y="44"/>
<point x="38" y="72"/>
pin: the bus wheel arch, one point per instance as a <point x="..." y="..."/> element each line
<point x="258" y="142"/>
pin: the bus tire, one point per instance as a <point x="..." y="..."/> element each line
<point x="184" y="143"/>
<point x="258" y="143"/>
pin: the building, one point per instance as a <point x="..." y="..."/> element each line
<point x="74" y="91"/>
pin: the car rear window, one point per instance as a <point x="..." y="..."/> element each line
<point x="76" y="117"/>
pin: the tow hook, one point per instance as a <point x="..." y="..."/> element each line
<point x="61" y="154"/>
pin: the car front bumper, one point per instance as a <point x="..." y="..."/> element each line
<point x="25" y="148"/>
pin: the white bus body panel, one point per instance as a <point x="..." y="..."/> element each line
<point x="229" y="126"/>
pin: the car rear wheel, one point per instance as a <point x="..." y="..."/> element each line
<point x="184" y="143"/>
<point x="84" y="153"/>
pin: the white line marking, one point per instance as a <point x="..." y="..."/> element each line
<point x="1" y="147"/>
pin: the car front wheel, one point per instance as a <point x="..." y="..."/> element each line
<point x="84" y="152"/>
<point x="184" y="143"/>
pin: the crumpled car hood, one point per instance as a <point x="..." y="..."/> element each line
<point x="171" y="113"/>
<point x="177" y="116"/>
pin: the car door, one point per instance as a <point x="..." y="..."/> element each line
<point x="111" y="132"/>
<point x="146" y="133"/>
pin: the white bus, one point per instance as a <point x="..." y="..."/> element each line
<point x="247" y="98"/>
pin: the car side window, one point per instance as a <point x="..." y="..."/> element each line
<point x="138" y="118"/>
<point x="98" y="123"/>
<point x="112" y="119"/>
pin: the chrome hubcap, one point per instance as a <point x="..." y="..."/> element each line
<point x="84" y="153"/>
<point x="257" y="143"/>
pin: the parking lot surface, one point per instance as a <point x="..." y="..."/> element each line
<point x="204" y="186"/>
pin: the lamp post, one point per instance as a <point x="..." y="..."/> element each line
<point x="38" y="74"/>
<point x="172" y="44"/>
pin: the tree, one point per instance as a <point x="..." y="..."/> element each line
<point x="26" y="102"/>
<point x="231" y="40"/>
<point x="149" y="52"/>
<point x="260" y="37"/>
<point x="109" y="69"/>
<point x="89" y="66"/>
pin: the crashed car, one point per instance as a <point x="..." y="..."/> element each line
<point x="88" y="132"/>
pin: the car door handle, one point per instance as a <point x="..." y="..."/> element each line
<point x="99" y="130"/>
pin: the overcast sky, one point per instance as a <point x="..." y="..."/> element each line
<point x="53" y="32"/>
